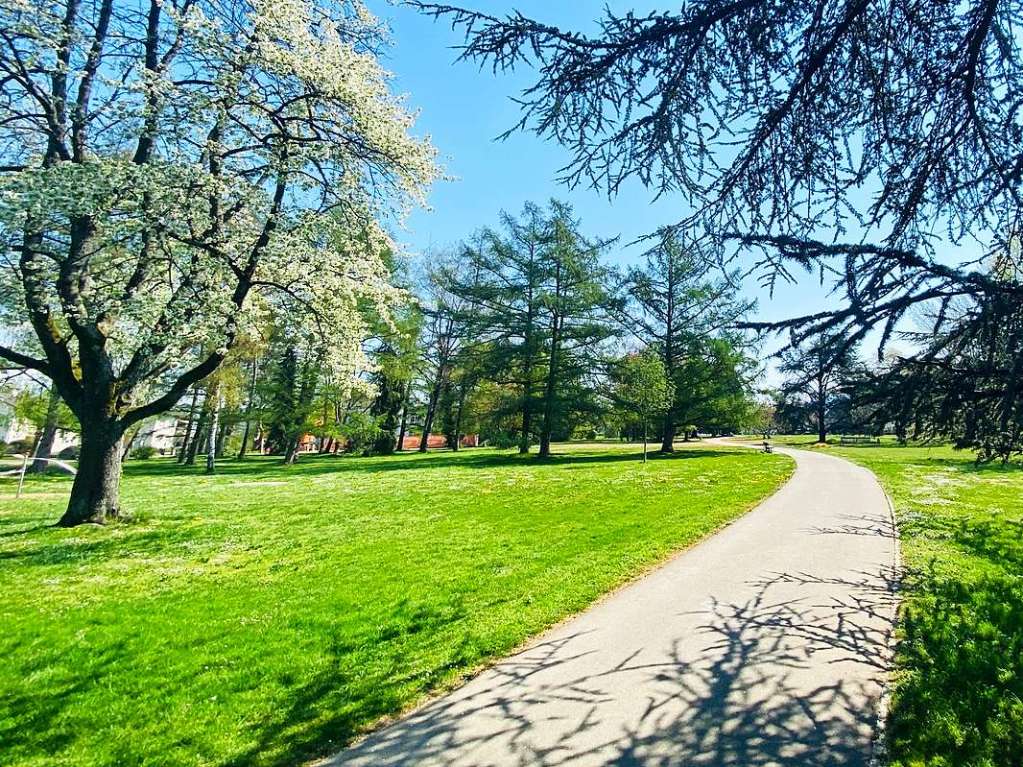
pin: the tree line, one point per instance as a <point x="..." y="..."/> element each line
<point x="523" y="335"/>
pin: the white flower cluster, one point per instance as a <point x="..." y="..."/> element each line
<point x="253" y="167"/>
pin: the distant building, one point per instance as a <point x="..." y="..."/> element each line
<point x="161" y="435"/>
<point x="434" y="441"/>
<point x="18" y="430"/>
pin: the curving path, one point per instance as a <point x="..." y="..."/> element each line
<point x="766" y="644"/>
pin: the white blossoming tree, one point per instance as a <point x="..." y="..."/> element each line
<point x="169" y="170"/>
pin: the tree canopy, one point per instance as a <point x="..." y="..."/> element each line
<point x="769" y="116"/>
<point x="172" y="170"/>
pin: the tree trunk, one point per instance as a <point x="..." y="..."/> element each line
<point x="211" y="438"/>
<point x="822" y="410"/>
<point x="458" y="418"/>
<point x="226" y="429"/>
<point x="527" y="419"/>
<point x="248" y="410"/>
<point x="644" y="440"/>
<point x="548" y="393"/>
<point x="95" y="493"/>
<point x="189" y="435"/>
<point x="291" y="454"/>
<point x="128" y="442"/>
<point x="431" y="411"/>
<point x="404" y="418"/>
<point x="245" y="440"/>
<point x="668" y="434"/>
<point x="44" y="448"/>
<point x="194" y="443"/>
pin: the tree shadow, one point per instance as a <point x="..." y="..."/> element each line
<point x="959" y="698"/>
<point x="747" y="694"/>
<point x="858" y="525"/>
<point x="36" y="716"/>
<point x="464" y="460"/>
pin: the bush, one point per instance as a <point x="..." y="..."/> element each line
<point x="143" y="452"/>
<point x="69" y="453"/>
<point x="361" y="432"/>
<point x="503" y="439"/>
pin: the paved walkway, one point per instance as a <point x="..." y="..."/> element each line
<point x="764" y="645"/>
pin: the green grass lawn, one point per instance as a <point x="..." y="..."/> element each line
<point x="268" y="614"/>
<point x="958" y="695"/>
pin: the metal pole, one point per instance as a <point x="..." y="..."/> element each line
<point x="21" y="480"/>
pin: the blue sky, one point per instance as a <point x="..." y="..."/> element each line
<point x="464" y="109"/>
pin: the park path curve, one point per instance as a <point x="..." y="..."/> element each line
<point x="766" y="644"/>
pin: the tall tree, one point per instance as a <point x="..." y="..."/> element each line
<point x="166" y="168"/>
<point x="501" y="284"/>
<point x="818" y="372"/>
<point x="444" y="330"/>
<point x="673" y="303"/>
<point x="533" y="301"/>
<point x="716" y="376"/>
<point x="291" y="393"/>
<point x="575" y="305"/>
<point x="396" y="356"/>
<point x="966" y="385"/>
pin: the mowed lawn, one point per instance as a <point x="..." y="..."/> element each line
<point x="267" y="615"/>
<point x="958" y="694"/>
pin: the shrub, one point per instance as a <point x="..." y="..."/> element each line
<point x="143" y="452"/>
<point x="69" y="453"/>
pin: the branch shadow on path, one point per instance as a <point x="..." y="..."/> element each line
<point x="749" y="697"/>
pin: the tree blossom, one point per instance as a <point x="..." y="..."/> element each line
<point x="174" y="169"/>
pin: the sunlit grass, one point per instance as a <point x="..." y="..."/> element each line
<point x="958" y="695"/>
<point x="268" y="614"/>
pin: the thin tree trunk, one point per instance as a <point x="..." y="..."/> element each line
<point x="822" y="409"/>
<point x="404" y="418"/>
<point x="226" y="429"/>
<point x="44" y="448"/>
<point x="95" y="492"/>
<point x="189" y="436"/>
<point x="458" y="417"/>
<point x="128" y="442"/>
<point x="644" y="440"/>
<point x="248" y="411"/>
<point x="245" y="440"/>
<point x="431" y="411"/>
<point x="197" y="438"/>
<point x="548" y="394"/>
<point x="527" y="408"/>
<point x="211" y="438"/>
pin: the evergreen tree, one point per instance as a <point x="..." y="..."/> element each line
<point x="674" y="304"/>
<point x="818" y="372"/>
<point x="534" y="302"/>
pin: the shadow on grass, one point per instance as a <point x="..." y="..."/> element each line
<point x="475" y="459"/>
<point x="36" y="715"/>
<point x="330" y="710"/>
<point x="960" y="697"/>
